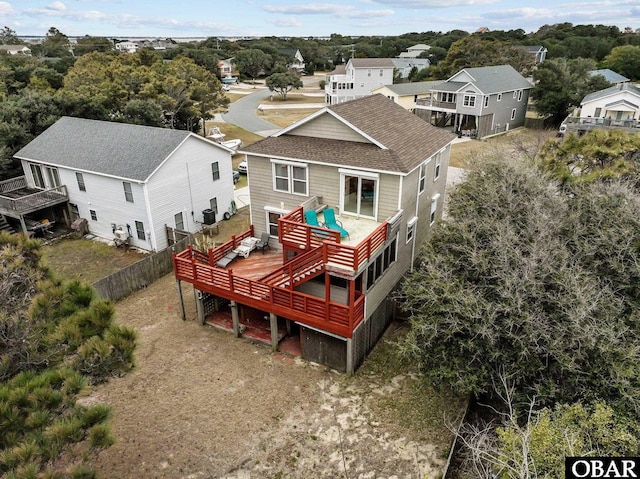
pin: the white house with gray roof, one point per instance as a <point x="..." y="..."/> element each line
<point x="131" y="178"/>
<point x="478" y="102"/>
<point x="357" y="78"/>
<point x="612" y="77"/>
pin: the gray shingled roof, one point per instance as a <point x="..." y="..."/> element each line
<point x="413" y="88"/>
<point x="497" y="79"/>
<point x="371" y="62"/>
<point x="452" y="86"/>
<point x="609" y="75"/>
<point x="611" y="91"/>
<point x="409" y="139"/>
<point x="109" y="148"/>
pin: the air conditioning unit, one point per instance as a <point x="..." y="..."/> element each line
<point x="121" y="236"/>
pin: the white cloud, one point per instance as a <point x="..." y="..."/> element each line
<point x="5" y="8"/>
<point x="332" y="9"/>
<point x="287" y="22"/>
<point x="57" y="6"/>
<point x="419" y="4"/>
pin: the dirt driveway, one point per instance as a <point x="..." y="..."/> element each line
<point x="202" y="404"/>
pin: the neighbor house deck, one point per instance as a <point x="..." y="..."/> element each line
<point x="17" y="199"/>
<point x="318" y="250"/>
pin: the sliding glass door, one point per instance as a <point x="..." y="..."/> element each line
<point x="360" y="194"/>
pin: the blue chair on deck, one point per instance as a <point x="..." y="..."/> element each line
<point x="311" y="218"/>
<point x="332" y="223"/>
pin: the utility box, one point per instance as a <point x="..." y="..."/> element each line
<point x="209" y="216"/>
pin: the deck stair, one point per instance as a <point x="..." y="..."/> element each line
<point x="4" y="226"/>
<point x="299" y="270"/>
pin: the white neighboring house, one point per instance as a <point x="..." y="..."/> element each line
<point x="620" y="102"/>
<point x="357" y="79"/>
<point x="297" y="63"/>
<point x="415" y="51"/>
<point x="127" y="47"/>
<point x="609" y="75"/>
<point x="16" y="50"/>
<point x="132" y="178"/>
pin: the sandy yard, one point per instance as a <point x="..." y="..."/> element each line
<point x="203" y="404"/>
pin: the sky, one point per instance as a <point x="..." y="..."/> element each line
<point x="284" y="18"/>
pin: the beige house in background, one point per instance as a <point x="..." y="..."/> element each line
<point x="407" y="94"/>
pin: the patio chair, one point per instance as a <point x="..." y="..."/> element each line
<point x="311" y="217"/>
<point x="332" y="223"/>
<point x="264" y="242"/>
<point x="226" y="259"/>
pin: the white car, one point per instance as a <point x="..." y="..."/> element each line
<point x="242" y="167"/>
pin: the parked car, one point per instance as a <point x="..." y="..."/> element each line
<point x="242" y="167"/>
<point x="236" y="176"/>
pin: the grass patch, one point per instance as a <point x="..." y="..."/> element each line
<point x="86" y="260"/>
<point x="286" y="117"/>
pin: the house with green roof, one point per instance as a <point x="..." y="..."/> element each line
<point x="478" y="102"/>
<point x="128" y="181"/>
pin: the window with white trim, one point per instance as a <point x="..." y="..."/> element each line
<point x="272" y="222"/>
<point x="519" y="95"/>
<point x="215" y="171"/>
<point x="140" y="230"/>
<point x="469" y="100"/>
<point x="513" y="114"/>
<point x="179" y="219"/>
<point x="411" y="228"/>
<point x="486" y="101"/>
<point x="94" y="215"/>
<point x="36" y="172"/>
<point x="381" y="72"/>
<point x="515" y="94"/>
<point x="383" y="262"/>
<point x="423" y="177"/>
<point x="290" y="178"/>
<point x="499" y="96"/>
<point x="434" y="208"/>
<point x="128" y="194"/>
<point x="80" y="179"/>
<point x="368" y="73"/>
<point x="438" y="162"/>
<point x="213" y="205"/>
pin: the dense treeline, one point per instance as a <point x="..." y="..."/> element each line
<point x="91" y="80"/>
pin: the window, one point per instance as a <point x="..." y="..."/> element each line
<point x="213" y="204"/>
<point x="75" y="212"/>
<point x="215" y="170"/>
<point x="53" y="177"/>
<point x="434" y="208"/>
<point x="448" y="97"/>
<point x="381" y="72"/>
<point x="80" y="180"/>
<point x="598" y="112"/>
<point x="140" y="230"/>
<point x="368" y="73"/>
<point x="469" y="100"/>
<point x="381" y="263"/>
<point x="36" y="172"/>
<point x="128" y="194"/>
<point x="513" y="114"/>
<point x="93" y="214"/>
<point x="290" y="178"/>
<point x="411" y="228"/>
<point x="272" y="222"/>
<point x="423" y="176"/>
<point x="519" y="95"/>
<point x="515" y="94"/>
<point x="486" y="101"/>
<point x="179" y="219"/>
<point x="436" y="174"/>
<point x="499" y="96"/>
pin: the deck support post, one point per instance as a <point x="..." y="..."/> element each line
<point x="181" y="300"/>
<point x="350" y="369"/>
<point x="273" y="319"/>
<point x="235" y="317"/>
<point x="23" y="225"/>
<point x="288" y="323"/>
<point x="199" y="306"/>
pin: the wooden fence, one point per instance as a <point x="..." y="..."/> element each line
<point x="140" y="274"/>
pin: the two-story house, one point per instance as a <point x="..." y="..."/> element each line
<point x="376" y="167"/>
<point x="357" y="78"/>
<point x="478" y="102"/>
<point x="295" y="59"/>
<point x="128" y="181"/>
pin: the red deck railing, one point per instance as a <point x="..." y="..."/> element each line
<point x="274" y="292"/>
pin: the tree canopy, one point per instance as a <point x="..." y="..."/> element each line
<point x="283" y="83"/>
<point x="55" y="338"/>
<point x="536" y="282"/>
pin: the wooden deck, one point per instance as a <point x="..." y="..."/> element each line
<point x="257" y="264"/>
<point x="17" y="199"/>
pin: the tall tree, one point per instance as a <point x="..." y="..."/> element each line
<point x="252" y="62"/>
<point x="513" y="282"/>
<point x="9" y="37"/>
<point x="624" y="60"/>
<point x="283" y="83"/>
<point x="561" y="84"/>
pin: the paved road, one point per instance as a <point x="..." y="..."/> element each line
<point x="242" y="112"/>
